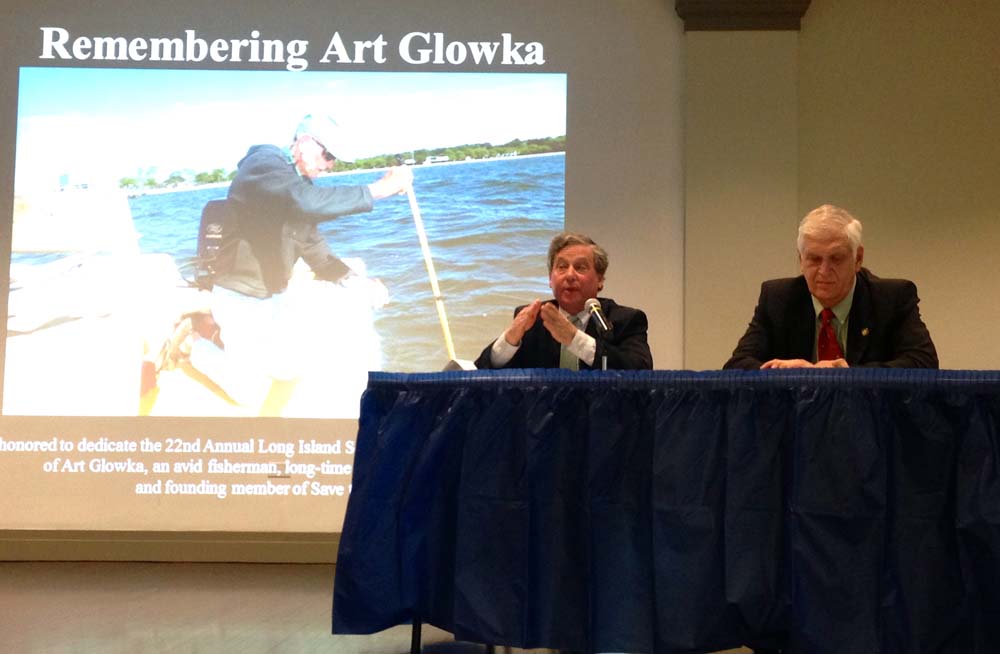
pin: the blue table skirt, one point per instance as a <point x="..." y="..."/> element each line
<point x="840" y="511"/>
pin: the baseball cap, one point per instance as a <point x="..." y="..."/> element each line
<point x="325" y="131"/>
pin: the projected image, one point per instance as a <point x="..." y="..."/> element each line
<point x="150" y="276"/>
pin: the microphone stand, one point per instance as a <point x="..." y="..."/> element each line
<point x="603" y="327"/>
<point x="602" y="334"/>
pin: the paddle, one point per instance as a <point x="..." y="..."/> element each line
<point x="429" y="263"/>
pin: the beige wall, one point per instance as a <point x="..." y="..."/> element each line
<point x="740" y="181"/>
<point x="628" y="192"/>
<point x="895" y="119"/>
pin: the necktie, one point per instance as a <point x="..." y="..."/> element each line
<point x="827" y="347"/>
<point x="567" y="359"/>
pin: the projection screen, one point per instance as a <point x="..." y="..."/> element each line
<point x="131" y="401"/>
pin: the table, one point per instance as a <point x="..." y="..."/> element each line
<point x="656" y="511"/>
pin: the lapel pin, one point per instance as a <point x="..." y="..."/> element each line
<point x="864" y="332"/>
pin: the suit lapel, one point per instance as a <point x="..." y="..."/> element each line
<point x="858" y="322"/>
<point x="591" y="329"/>
<point x="803" y="335"/>
<point x="549" y="345"/>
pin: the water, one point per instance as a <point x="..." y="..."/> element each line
<point x="489" y="224"/>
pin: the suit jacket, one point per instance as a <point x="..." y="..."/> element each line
<point x="625" y="343"/>
<point x="884" y="326"/>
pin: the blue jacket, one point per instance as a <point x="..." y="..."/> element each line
<point x="277" y="211"/>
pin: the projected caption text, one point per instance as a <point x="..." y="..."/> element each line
<point x="200" y="466"/>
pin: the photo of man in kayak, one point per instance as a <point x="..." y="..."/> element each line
<point x="266" y="328"/>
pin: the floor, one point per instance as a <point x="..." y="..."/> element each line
<point x="184" y="608"/>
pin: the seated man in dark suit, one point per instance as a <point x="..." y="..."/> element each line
<point x="836" y="314"/>
<point x="542" y="334"/>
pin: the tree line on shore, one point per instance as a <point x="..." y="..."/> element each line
<point x="471" y="151"/>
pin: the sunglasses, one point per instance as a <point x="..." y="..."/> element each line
<point x="329" y="157"/>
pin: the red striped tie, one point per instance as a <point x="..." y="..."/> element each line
<point x="827" y="347"/>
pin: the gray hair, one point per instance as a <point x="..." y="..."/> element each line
<point x="829" y="222"/>
<point x="566" y="239"/>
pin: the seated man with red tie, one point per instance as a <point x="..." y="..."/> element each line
<point x="836" y="314"/>
<point x="576" y="330"/>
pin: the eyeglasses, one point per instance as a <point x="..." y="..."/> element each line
<point x="326" y="153"/>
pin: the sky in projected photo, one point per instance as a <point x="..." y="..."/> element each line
<point x="108" y="123"/>
<point x="82" y="131"/>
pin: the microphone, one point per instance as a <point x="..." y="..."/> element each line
<point x="594" y="307"/>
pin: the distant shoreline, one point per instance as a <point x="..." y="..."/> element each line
<point x="198" y="187"/>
